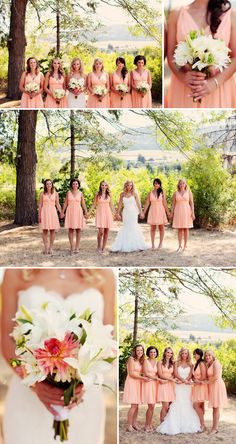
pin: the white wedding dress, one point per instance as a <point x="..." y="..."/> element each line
<point x="26" y="419"/>
<point x="79" y="102"/>
<point x="181" y="417"/>
<point x="130" y="237"/>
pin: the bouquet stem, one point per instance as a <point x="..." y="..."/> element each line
<point x="61" y="429"/>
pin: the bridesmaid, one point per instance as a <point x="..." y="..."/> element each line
<point x="104" y="218"/>
<point x="199" y="389"/>
<point x="98" y="78"/>
<point x="120" y="77"/>
<point x="31" y="75"/>
<point x="133" y="386"/>
<point x="157" y="212"/>
<point x="182" y="212"/>
<point x="216" y="386"/>
<point x="74" y="206"/>
<point x="141" y="75"/>
<point x="55" y="81"/>
<point x="48" y="217"/>
<point x="219" y="90"/>
<point x="166" y="392"/>
<point x="76" y="97"/>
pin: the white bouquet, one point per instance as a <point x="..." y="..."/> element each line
<point x="143" y="87"/>
<point x="76" y="84"/>
<point x="31" y="87"/>
<point x="123" y="88"/>
<point x="100" y="91"/>
<point x="55" y="344"/>
<point x="59" y="93"/>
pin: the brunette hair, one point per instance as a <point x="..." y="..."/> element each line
<point x="215" y="9"/>
<point x="199" y="352"/>
<point x="164" y="360"/>
<point x="60" y="69"/>
<point x="81" y="70"/>
<point x="124" y="70"/>
<point x="139" y="57"/>
<point x="45" y="185"/>
<point x="151" y="348"/>
<point x="134" y="354"/>
<point x="28" y="69"/>
<point x="75" y="180"/>
<point x="159" y="190"/>
<point x="98" y="60"/>
<point x="107" y="194"/>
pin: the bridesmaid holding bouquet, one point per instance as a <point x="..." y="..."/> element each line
<point x="55" y="86"/>
<point x="98" y="86"/>
<point x="120" y="86"/>
<point x="31" y="85"/>
<point x="150" y="389"/>
<point x="76" y="84"/>
<point x="74" y="206"/>
<point x="141" y="84"/>
<point x="48" y="218"/>
<point x="182" y="212"/>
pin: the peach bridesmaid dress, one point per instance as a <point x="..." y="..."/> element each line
<point x="157" y="212"/>
<point x="150" y="388"/>
<point x="74" y="212"/>
<point x="222" y="97"/>
<point x="133" y="386"/>
<point x="137" y="100"/>
<point x="104" y="218"/>
<point x="49" y="217"/>
<point x="182" y="212"/>
<point x="118" y="101"/>
<point x="217" y="390"/>
<point x="50" y="102"/>
<point x="166" y="392"/>
<point x="35" y="102"/>
<point x="199" y="391"/>
<point x="94" y="101"/>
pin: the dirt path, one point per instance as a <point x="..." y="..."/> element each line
<point x="227" y="429"/>
<point x="22" y="246"/>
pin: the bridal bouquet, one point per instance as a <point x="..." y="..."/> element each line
<point x="31" y="87"/>
<point x="59" y="93"/>
<point x="76" y="84"/>
<point x="55" y="344"/>
<point x="121" y="87"/>
<point x="143" y="87"/>
<point x="100" y="91"/>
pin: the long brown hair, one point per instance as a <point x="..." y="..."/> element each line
<point x="60" y="69"/>
<point x="164" y="360"/>
<point x="215" y="9"/>
<point x="45" y="186"/>
<point x="134" y="353"/>
<point x="107" y="193"/>
<point x="28" y="69"/>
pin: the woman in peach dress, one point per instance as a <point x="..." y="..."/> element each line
<point x="98" y="78"/>
<point x="74" y="206"/>
<point x="76" y="97"/>
<point x="219" y="90"/>
<point x="156" y="202"/>
<point x="199" y="388"/>
<point x="166" y="392"/>
<point x="182" y="213"/>
<point x="216" y="387"/>
<point x="133" y="386"/>
<point x="121" y="77"/>
<point x="31" y="75"/>
<point x="55" y="82"/>
<point x="48" y="218"/>
<point x="104" y="217"/>
<point x="138" y="76"/>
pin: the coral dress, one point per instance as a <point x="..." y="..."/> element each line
<point x="74" y="212"/>
<point x="166" y="392"/>
<point x="217" y="390"/>
<point x="137" y="100"/>
<point x="118" y="101"/>
<point x="149" y="389"/>
<point x="199" y="391"/>
<point x="49" y="217"/>
<point x="104" y="218"/>
<point x="50" y="102"/>
<point x="36" y="101"/>
<point x="222" y="97"/>
<point x="157" y="212"/>
<point x="182" y="212"/>
<point x="94" y="101"/>
<point x="133" y="386"/>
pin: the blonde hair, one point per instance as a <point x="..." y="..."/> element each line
<point x="179" y="359"/>
<point x="182" y="180"/>
<point x="126" y="184"/>
<point x="98" y="60"/>
<point x="90" y="275"/>
<point x="210" y="352"/>
<point x="81" y="69"/>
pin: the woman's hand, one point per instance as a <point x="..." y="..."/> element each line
<point x="208" y="87"/>
<point x="193" y="79"/>
<point x="193" y="216"/>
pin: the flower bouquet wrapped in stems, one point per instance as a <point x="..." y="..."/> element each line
<point x="76" y="85"/>
<point x="143" y="88"/>
<point x="100" y="91"/>
<point x="123" y="89"/>
<point x="56" y="345"/>
<point x="59" y="93"/>
<point x="31" y="87"/>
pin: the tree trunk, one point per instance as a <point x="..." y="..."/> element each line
<point x="72" y="144"/>
<point x="26" y="205"/>
<point x="58" y="28"/>
<point x="136" y="308"/>
<point x="16" y="47"/>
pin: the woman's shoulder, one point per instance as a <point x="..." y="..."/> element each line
<point x="174" y="14"/>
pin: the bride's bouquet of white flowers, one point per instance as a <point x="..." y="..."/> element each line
<point x="57" y="345"/>
<point x="31" y="87"/>
<point x="124" y="89"/>
<point x="59" y="93"/>
<point x="100" y="91"/>
<point x="76" y="84"/>
<point x="143" y="88"/>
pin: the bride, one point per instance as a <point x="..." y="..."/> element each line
<point x="181" y="417"/>
<point x="130" y="237"/>
<point x="28" y="411"/>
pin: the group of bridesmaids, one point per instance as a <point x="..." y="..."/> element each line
<point x="75" y="212"/>
<point x="120" y="89"/>
<point x="150" y="382"/>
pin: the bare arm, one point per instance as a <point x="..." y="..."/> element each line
<point x="165" y="205"/>
<point x="138" y="203"/>
<point x="57" y="202"/>
<point x="94" y="204"/>
<point x="65" y="205"/>
<point x="173" y="205"/>
<point x="46" y="85"/>
<point x="149" y="78"/>
<point x="84" y="205"/>
<point x="108" y="290"/>
<point x="146" y="205"/>
<point x="120" y="205"/>
<point x="191" y="203"/>
<point x="22" y="82"/>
